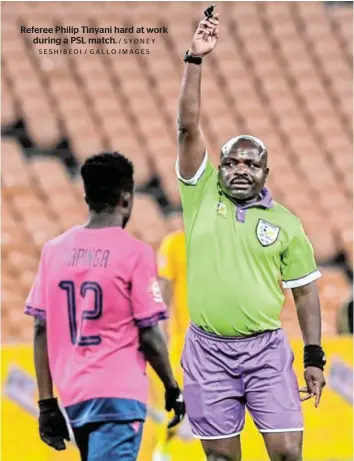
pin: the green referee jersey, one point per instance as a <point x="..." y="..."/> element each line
<point x="239" y="257"/>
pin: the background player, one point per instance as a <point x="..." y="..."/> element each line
<point x="240" y="245"/>
<point x="173" y="281"/>
<point x="97" y="304"/>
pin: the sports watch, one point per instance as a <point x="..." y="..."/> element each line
<point x="189" y="57"/>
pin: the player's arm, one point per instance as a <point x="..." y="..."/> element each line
<point x="154" y="347"/>
<point x="191" y="142"/>
<point x="308" y="309"/>
<point x="41" y="363"/>
<point x="166" y="286"/>
<point x="299" y="272"/>
<point x="52" y="424"/>
<point x="36" y="307"/>
<point x="148" y="310"/>
<point x="309" y="314"/>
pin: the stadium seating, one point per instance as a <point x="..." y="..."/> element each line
<point x="281" y="71"/>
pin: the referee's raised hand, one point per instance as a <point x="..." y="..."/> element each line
<point x="206" y="36"/>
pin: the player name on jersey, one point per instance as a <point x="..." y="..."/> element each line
<point x="86" y="257"/>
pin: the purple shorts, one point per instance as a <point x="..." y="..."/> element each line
<point x="223" y="376"/>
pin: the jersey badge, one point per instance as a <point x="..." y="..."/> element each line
<point x="267" y="233"/>
<point x="221" y="209"/>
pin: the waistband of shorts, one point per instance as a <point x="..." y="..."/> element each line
<point x="206" y="334"/>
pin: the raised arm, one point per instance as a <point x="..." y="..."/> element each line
<point x="191" y="142"/>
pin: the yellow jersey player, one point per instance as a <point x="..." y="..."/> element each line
<point x="172" y="277"/>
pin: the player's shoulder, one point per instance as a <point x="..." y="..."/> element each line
<point x="285" y="216"/>
<point x="206" y="176"/>
<point x="58" y="240"/>
<point x="136" y="248"/>
<point x="172" y="241"/>
<point x="175" y="237"/>
<point x="135" y="243"/>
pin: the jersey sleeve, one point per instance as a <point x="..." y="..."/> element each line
<point x="165" y="259"/>
<point x="147" y="302"/>
<point x="193" y="189"/>
<point x="35" y="302"/>
<point x="298" y="265"/>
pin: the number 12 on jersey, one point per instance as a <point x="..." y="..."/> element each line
<point x="69" y="287"/>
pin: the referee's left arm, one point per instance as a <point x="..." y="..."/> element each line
<point x="299" y="272"/>
<point x="309" y="312"/>
<point x="309" y="315"/>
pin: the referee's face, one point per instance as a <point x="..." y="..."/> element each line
<point x="243" y="172"/>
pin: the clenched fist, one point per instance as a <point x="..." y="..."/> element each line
<point x="206" y="36"/>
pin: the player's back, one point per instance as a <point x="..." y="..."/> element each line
<point x="93" y="340"/>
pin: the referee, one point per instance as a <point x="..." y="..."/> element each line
<point x="241" y="245"/>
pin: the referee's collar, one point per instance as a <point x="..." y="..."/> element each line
<point x="264" y="200"/>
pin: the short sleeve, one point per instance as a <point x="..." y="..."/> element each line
<point x="36" y="302"/>
<point x="193" y="189"/>
<point x="147" y="303"/>
<point x="165" y="259"/>
<point x="298" y="265"/>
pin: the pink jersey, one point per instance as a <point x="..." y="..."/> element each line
<point x="96" y="288"/>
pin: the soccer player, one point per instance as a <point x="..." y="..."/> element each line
<point x="241" y="245"/>
<point x="171" y="264"/>
<point x="97" y="304"/>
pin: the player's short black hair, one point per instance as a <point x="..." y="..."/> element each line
<point x="106" y="176"/>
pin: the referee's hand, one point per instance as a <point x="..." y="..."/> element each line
<point x="174" y="401"/>
<point x="315" y="382"/>
<point x="206" y="36"/>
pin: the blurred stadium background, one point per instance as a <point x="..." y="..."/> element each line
<point x="281" y="71"/>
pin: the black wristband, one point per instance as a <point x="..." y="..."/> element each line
<point x="188" y="57"/>
<point x="314" y="356"/>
